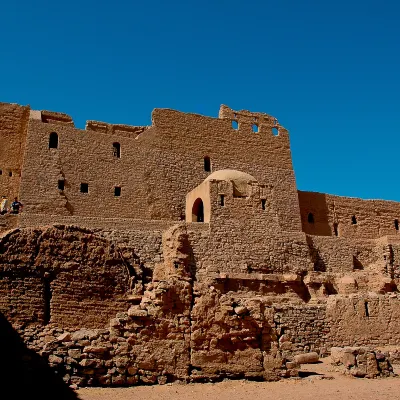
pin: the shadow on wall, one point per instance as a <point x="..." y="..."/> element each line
<point x="314" y="214"/>
<point x="24" y="374"/>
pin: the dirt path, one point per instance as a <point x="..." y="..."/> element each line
<point x="328" y="384"/>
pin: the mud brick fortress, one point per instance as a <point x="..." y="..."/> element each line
<point x="184" y="251"/>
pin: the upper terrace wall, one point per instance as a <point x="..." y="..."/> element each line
<point x="13" y="126"/>
<point x="372" y="218"/>
<point x="157" y="166"/>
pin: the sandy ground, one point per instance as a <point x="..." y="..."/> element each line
<point x="328" y="384"/>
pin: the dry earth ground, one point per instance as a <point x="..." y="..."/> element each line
<point x="327" y="384"/>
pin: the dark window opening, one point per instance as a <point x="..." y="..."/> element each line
<point x="61" y="184"/>
<point x="263" y="202"/>
<point x="10" y="174"/>
<point x="275" y="131"/>
<point x="84" y="188"/>
<point x="198" y="211"/>
<point x="117" y="191"/>
<point x="1" y="172"/>
<point x="354" y="220"/>
<point x="396" y="224"/>
<point x="366" y="309"/>
<point x="117" y="150"/>
<point x="221" y="200"/>
<point x="254" y="128"/>
<point x="335" y="229"/>
<point x="207" y="164"/>
<point x="235" y="125"/>
<point x="310" y="218"/>
<point x="357" y="264"/>
<point x="47" y="300"/>
<point x="53" y="140"/>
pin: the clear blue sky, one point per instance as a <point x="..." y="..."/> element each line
<point x="328" y="70"/>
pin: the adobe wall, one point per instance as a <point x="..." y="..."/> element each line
<point x="370" y="320"/>
<point x="61" y="275"/>
<point x="158" y="165"/>
<point x="374" y="218"/>
<point x="13" y="127"/>
<point x="339" y="321"/>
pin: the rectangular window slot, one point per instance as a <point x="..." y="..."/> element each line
<point x="61" y="184"/>
<point x="117" y="191"/>
<point x="84" y="188"/>
<point x="221" y="200"/>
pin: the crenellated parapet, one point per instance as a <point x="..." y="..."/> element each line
<point x="255" y="122"/>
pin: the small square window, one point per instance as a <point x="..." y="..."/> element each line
<point x="61" y="184"/>
<point x="117" y="191"/>
<point x="84" y="188"/>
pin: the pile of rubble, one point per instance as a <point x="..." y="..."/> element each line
<point x="362" y="362"/>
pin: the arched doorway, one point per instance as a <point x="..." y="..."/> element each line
<point x="198" y="211"/>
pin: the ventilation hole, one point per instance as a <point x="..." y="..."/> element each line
<point x="366" y="309"/>
<point x="84" y="188"/>
<point x="254" y="127"/>
<point x="310" y="218"/>
<point x="335" y="229"/>
<point x="116" y="150"/>
<point x="354" y="220"/>
<point x="1" y="172"/>
<point x="117" y="191"/>
<point x="61" y="184"/>
<point x="235" y="125"/>
<point x="10" y="173"/>
<point x="222" y="200"/>
<point x="53" y="140"/>
<point x="396" y="224"/>
<point x="207" y="164"/>
<point x="263" y="202"/>
<point x="275" y="131"/>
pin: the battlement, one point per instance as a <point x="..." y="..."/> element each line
<point x="51" y="117"/>
<point x="255" y="122"/>
<point x="115" y="129"/>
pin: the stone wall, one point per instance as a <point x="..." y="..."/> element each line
<point x="63" y="275"/>
<point x="156" y="168"/>
<point x="372" y="218"/>
<point x="13" y="128"/>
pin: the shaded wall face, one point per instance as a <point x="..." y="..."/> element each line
<point x="13" y="126"/>
<point x="61" y="276"/>
<point x="363" y="321"/>
<point x="156" y="169"/>
<point x="348" y="217"/>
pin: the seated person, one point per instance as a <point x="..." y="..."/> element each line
<point x="16" y="206"/>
